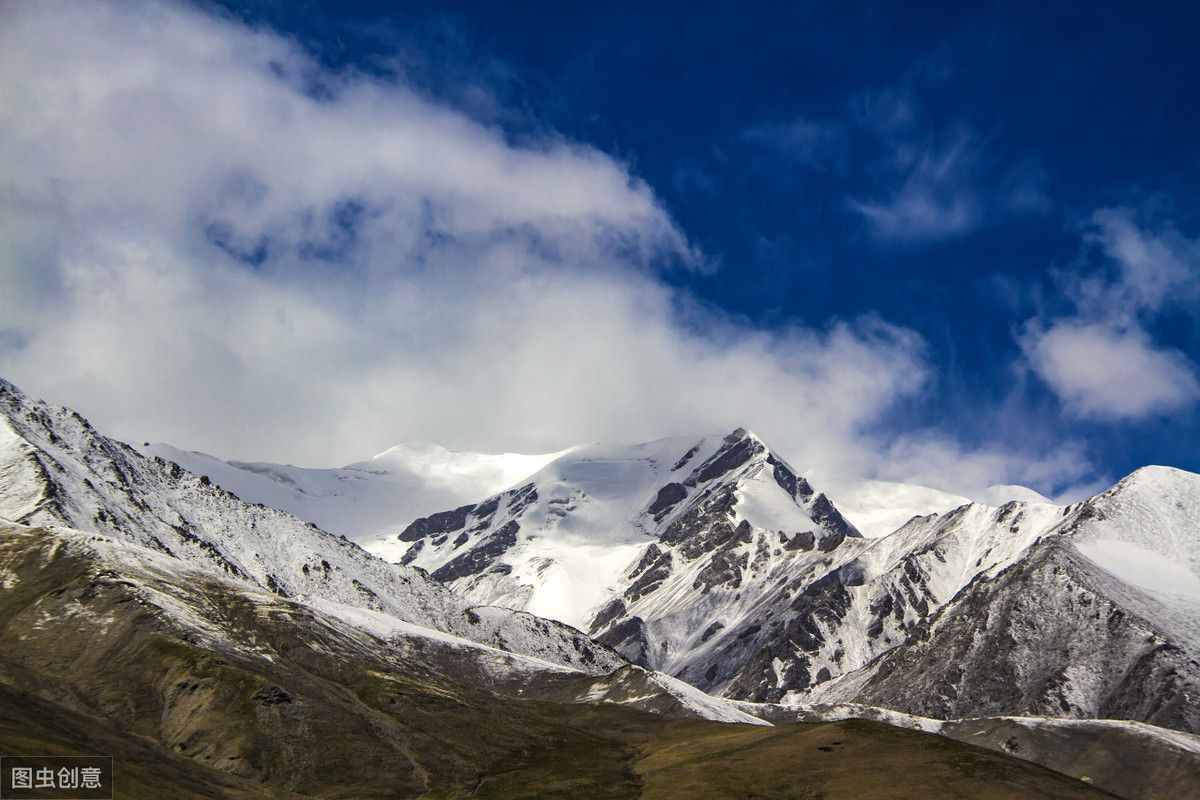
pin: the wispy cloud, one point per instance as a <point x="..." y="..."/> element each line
<point x="937" y="195"/>
<point x="935" y="181"/>
<point x="817" y="145"/>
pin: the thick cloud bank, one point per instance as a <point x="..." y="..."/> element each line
<point x="209" y="239"/>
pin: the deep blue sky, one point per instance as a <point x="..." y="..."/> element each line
<point x="762" y="127"/>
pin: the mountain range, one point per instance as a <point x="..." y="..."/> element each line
<point x="225" y="616"/>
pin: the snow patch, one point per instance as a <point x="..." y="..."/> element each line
<point x="1141" y="567"/>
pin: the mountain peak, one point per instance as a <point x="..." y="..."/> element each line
<point x="1152" y="474"/>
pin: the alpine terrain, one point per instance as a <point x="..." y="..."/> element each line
<point x="716" y="561"/>
<point x="683" y="618"/>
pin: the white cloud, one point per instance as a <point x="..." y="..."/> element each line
<point x="1102" y="371"/>
<point x="207" y="239"/>
<point x="1100" y="360"/>
<point x="932" y="459"/>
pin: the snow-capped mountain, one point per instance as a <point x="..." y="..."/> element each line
<point x="57" y="470"/>
<point x="367" y="500"/>
<point x="715" y="561"/>
<point x="710" y="562"/>
<point x="567" y="542"/>
<point x="676" y="552"/>
<point x="1094" y="613"/>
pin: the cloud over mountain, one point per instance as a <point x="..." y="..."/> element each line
<point x="220" y="242"/>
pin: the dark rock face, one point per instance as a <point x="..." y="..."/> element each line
<point x="666" y="499"/>
<point x="441" y="522"/>
<point x="881" y="609"/>
<point x="481" y="556"/>
<point x="276" y="586"/>
<point x="630" y="639"/>
<point x="685" y="458"/>
<point x="804" y="540"/>
<point x="724" y="570"/>
<point x="705" y="525"/>
<point x="791" y="483"/>
<point x="610" y="611"/>
<point x="824" y="601"/>
<point x="653" y="554"/>
<point x="522" y="498"/>
<point x="487" y="508"/>
<point x="737" y="449"/>
<point x="783" y="476"/>
<point x="725" y="567"/>
<point x="651" y="571"/>
<point x="828" y="517"/>
<point x="831" y="541"/>
<point x="413" y="551"/>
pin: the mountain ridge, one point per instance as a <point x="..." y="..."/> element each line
<point x="58" y="470"/>
<point x="107" y="542"/>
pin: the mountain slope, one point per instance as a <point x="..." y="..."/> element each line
<point x="714" y="561"/>
<point x="1129" y="759"/>
<point x="204" y="686"/>
<point x="55" y="469"/>
<point x="558" y="545"/>
<point x="1098" y="617"/>
<point x="647" y="544"/>
<point x="172" y="575"/>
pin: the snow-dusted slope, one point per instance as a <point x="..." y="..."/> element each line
<point x="669" y="551"/>
<point x="368" y="501"/>
<point x="1146" y="530"/>
<point x="562" y="544"/>
<point x="1096" y="615"/>
<point x="55" y="469"/>
<point x="712" y="560"/>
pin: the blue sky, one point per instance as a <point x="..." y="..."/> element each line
<point x="993" y="208"/>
